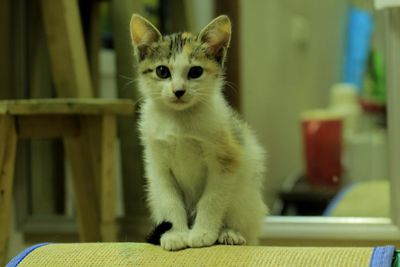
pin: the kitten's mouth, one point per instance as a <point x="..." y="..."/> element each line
<point x="179" y="103"/>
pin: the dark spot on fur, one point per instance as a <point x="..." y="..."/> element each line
<point x="147" y="71"/>
<point x="155" y="235"/>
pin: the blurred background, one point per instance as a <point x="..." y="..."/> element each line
<point x="308" y="76"/>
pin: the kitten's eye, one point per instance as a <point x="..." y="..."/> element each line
<point x="195" y="72"/>
<point x="163" y="72"/>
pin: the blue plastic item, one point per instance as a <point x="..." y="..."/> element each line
<point x="359" y="35"/>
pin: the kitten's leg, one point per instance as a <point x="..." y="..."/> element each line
<point x="167" y="205"/>
<point x="246" y="213"/>
<point x="211" y="209"/>
<point x="217" y="195"/>
<point x="229" y="236"/>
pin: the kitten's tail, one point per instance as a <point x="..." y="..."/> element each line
<point x="155" y="235"/>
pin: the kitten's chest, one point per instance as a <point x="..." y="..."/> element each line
<point x="185" y="159"/>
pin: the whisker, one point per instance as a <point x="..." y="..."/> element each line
<point x="232" y="86"/>
<point x="128" y="83"/>
<point x="127" y="77"/>
<point x="126" y="86"/>
<point x="138" y="100"/>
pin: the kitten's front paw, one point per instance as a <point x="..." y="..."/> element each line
<point x="231" y="237"/>
<point x="174" y="240"/>
<point x="202" y="238"/>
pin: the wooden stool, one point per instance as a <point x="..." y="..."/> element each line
<point x="88" y="128"/>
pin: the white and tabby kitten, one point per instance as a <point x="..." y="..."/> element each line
<point x="204" y="166"/>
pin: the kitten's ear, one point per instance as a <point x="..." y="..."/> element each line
<point x="217" y="35"/>
<point x="143" y="34"/>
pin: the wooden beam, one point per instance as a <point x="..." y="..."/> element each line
<point x="8" y="143"/>
<point x="232" y="90"/>
<point x="67" y="106"/>
<point x="47" y="126"/>
<point x="67" y="49"/>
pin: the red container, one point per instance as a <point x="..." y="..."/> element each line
<point x="322" y="139"/>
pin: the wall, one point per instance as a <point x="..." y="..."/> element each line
<point x="291" y="55"/>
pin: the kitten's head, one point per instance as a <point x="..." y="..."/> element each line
<point x="180" y="70"/>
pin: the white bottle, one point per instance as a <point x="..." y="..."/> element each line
<point x="344" y="103"/>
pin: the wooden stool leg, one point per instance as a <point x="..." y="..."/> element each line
<point x="92" y="157"/>
<point x="8" y="142"/>
<point x="84" y="188"/>
<point x="108" y="178"/>
<point x="101" y="135"/>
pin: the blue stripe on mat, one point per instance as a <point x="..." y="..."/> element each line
<point x="382" y="256"/>
<point x="336" y="200"/>
<point x="21" y="256"/>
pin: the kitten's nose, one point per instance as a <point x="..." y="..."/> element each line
<point x="179" y="93"/>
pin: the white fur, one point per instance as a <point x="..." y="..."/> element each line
<point x="184" y="176"/>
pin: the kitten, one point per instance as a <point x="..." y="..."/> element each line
<point x="204" y="166"/>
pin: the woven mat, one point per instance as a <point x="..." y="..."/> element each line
<point x="140" y="254"/>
